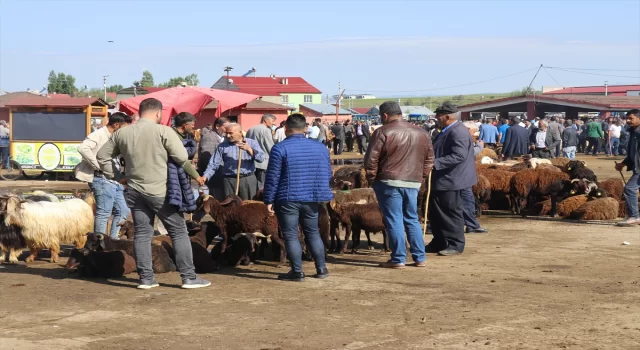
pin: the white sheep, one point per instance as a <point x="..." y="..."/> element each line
<point x="534" y="162"/>
<point x="486" y="160"/>
<point x="45" y="225"/>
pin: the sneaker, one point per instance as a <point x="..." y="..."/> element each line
<point x="391" y="265"/>
<point x="292" y="276"/>
<point x="147" y="284"/>
<point x="322" y="273"/>
<point x="629" y="222"/>
<point x="449" y="252"/>
<point x="195" y="283"/>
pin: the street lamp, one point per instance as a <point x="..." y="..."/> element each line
<point x="104" y="84"/>
<point x="228" y="69"/>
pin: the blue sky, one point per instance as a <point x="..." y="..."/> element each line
<point x="383" y="47"/>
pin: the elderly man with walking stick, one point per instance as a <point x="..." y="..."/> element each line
<point x="237" y="155"/>
<point x="454" y="172"/>
<point x="399" y="158"/>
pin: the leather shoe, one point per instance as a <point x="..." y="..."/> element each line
<point x="292" y="276"/>
<point x="322" y="273"/>
<point x="391" y="265"/>
<point x="419" y="264"/>
<point x="449" y="252"/>
<point x="477" y="230"/>
<point x="431" y="249"/>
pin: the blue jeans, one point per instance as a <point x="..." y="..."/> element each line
<point x="292" y="214"/>
<point x="615" y="143"/>
<point x="631" y="195"/>
<point x="570" y="152"/>
<point x="4" y="153"/>
<point x="399" y="207"/>
<point x="109" y="199"/>
<point x="469" y="212"/>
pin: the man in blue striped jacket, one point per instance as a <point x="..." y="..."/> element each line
<point x="297" y="180"/>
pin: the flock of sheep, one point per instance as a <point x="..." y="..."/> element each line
<point x="557" y="187"/>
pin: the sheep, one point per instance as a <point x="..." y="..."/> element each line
<point x="534" y="162"/>
<point x="500" y="187"/>
<point x="541" y="208"/>
<point x="41" y="196"/>
<point x="45" y="225"/>
<point x="518" y="167"/>
<point x="486" y="160"/>
<point x="529" y="182"/>
<point x="349" y="176"/>
<point x="253" y="217"/>
<point x="11" y="241"/>
<point x="583" y="173"/>
<point x="200" y="240"/>
<point x="622" y="208"/>
<point x="481" y="192"/>
<point x="574" y="164"/>
<point x="487" y="152"/>
<point x="100" y="263"/>
<point x="239" y="251"/>
<point x="570" y="204"/>
<point x="613" y="187"/>
<point x="548" y="167"/>
<point x="560" y="162"/>
<point x="341" y="198"/>
<point x="161" y="261"/>
<point x="597" y="209"/>
<point x="358" y="217"/>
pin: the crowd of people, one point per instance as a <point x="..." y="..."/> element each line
<point x="146" y="169"/>
<point x="551" y="137"/>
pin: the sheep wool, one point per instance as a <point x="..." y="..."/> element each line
<point x="487" y="152"/>
<point x="597" y="209"/>
<point x="571" y="204"/>
<point x="46" y="224"/>
<point x="613" y="187"/>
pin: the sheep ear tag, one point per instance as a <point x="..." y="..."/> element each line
<point x="572" y="191"/>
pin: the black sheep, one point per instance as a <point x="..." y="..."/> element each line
<point x="240" y="250"/>
<point x="101" y="264"/>
<point x="161" y="260"/>
<point x="11" y="241"/>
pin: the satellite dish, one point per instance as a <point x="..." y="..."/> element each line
<point x="230" y="81"/>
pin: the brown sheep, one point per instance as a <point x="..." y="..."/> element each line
<point x="560" y="161"/>
<point x="253" y="217"/>
<point x="613" y="187"/>
<point x="499" y="181"/>
<point x="349" y="177"/>
<point x="358" y="217"/>
<point x="622" y="208"/>
<point x="486" y="152"/>
<point x="549" y="167"/>
<point x="541" y="208"/>
<point x="340" y="199"/>
<point x="527" y="183"/>
<point x="567" y="206"/>
<point x="161" y="261"/>
<point x="481" y="192"/>
<point x="597" y="209"/>
<point x="518" y="167"/>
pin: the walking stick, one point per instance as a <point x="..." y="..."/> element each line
<point x="238" y="176"/>
<point x="621" y="174"/>
<point x="426" y="206"/>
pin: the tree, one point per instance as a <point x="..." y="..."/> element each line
<point x="53" y="86"/>
<point x="527" y="90"/>
<point x="147" y="79"/>
<point x="408" y="102"/>
<point x="115" y="88"/>
<point x="457" y="98"/>
<point x="61" y="83"/>
<point x="190" y="80"/>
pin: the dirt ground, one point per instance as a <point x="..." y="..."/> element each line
<point x="528" y="284"/>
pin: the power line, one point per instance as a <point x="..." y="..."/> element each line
<point x="534" y="77"/>
<point x="598" y="69"/>
<point x="551" y="76"/>
<point x="449" y="87"/>
<point x="603" y="75"/>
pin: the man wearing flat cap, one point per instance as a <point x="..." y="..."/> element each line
<point x="516" y="142"/>
<point x="453" y="172"/>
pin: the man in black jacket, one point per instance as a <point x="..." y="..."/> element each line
<point x="541" y="141"/>
<point x="516" y="142"/>
<point x="453" y="171"/>
<point x="361" y="133"/>
<point x="569" y="140"/>
<point x="338" y="142"/>
<point x="632" y="162"/>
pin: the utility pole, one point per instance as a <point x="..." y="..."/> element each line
<point x="606" y="87"/>
<point x="340" y="93"/>
<point x="104" y="84"/>
<point x="534" y="78"/>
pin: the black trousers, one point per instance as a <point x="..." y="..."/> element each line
<point x="594" y="143"/>
<point x="349" y="141"/>
<point x="447" y="221"/>
<point x="260" y="175"/>
<point x="541" y="153"/>
<point x="337" y="146"/>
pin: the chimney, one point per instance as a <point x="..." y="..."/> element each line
<point x="284" y="81"/>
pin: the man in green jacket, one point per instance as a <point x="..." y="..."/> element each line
<point x="594" y="134"/>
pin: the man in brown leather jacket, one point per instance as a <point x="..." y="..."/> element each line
<point x="399" y="158"/>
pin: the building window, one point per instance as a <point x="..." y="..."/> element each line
<point x="308" y="98"/>
<point x="285" y="99"/>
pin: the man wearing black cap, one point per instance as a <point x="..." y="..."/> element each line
<point x="516" y="142"/>
<point x="398" y="159"/>
<point x="453" y="172"/>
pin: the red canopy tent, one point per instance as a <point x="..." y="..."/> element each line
<point x="188" y="99"/>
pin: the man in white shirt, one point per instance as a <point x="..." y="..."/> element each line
<point x="614" y="136"/>
<point x="109" y="194"/>
<point x="4" y="143"/>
